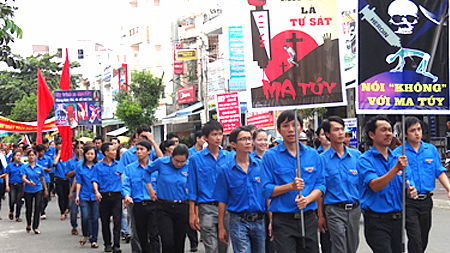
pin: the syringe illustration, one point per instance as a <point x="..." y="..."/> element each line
<point x="380" y="26"/>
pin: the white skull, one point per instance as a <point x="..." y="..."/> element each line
<point x="404" y="16"/>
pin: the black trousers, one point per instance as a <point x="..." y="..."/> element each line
<point x="15" y="196"/>
<point x="146" y="225"/>
<point x="37" y="197"/>
<point x="173" y="222"/>
<point x="418" y="223"/>
<point x="111" y="205"/>
<point x="51" y="186"/>
<point x="383" y="232"/>
<point x="286" y="229"/>
<point x="325" y="241"/>
<point x="193" y="237"/>
<point x="270" y="247"/>
<point x="45" y="200"/>
<point x="62" y="189"/>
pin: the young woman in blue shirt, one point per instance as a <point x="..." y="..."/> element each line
<point x="15" y="185"/>
<point x="173" y="209"/>
<point x="35" y="188"/>
<point x="85" y="197"/>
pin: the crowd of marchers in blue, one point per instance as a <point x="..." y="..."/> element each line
<point x="252" y="195"/>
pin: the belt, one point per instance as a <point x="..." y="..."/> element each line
<point x="386" y="216"/>
<point x="64" y="179"/>
<point x="249" y="216"/>
<point x="173" y="201"/>
<point x="295" y="216"/>
<point x="213" y="203"/>
<point x="346" y="206"/>
<point x="424" y="196"/>
<point x="15" y="183"/>
<point x="109" y="194"/>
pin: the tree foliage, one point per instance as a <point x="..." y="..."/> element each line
<point x="8" y="32"/>
<point x="137" y="105"/>
<point x="17" y="85"/>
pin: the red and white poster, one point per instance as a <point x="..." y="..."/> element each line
<point x="177" y="64"/>
<point x="262" y="120"/>
<point x="228" y="111"/>
<point x="186" y="94"/>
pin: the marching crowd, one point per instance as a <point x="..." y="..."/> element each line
<point x="252" y="196"/>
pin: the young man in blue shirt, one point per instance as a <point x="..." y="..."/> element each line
<point x="143" y="132"/>
<point x="280" y="184"/>
<point x="72" y="164"/>
<point x="380" y="175"/>
<point x="237" y="190"/>
<point x="98" y="142"/>
<point x="203" y="169"/>
<point x="107" y="187"/>
<point x="135" y="191"/>
<point x="46" y="162"/>
<point x="341" y="197"/>
<point x="426" y="166"/>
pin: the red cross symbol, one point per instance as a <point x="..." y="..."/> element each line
<point x="95" y="111"/>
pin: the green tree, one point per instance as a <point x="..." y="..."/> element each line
<point x="137" y="105"/>
<point x="15" y="85"/>
<point x="25" y="109"/>
<point x="8" y="32"/>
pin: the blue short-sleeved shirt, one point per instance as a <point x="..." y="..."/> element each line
<point x="133" y="183"/>
<point x="238" y="189"/>
<point x="341" y="176"/>
<point x="193" y="151"/>
<point x="106" y="176"/>
<point x="256" y="156"/>
<point x="129" y="156"/>
<point x="203" y="170"/>
<point x="60" y="169"/>
<point x="84" y="175"/>
<point x="33" y="174"/>
<point x="372" y="165"/>
<point x="171" y="182"/>
<point x="45" y="162"/>
<point x="51" y="152"/>
<point x="13" y="171"/>
<point x="99" y="154"/>
<point x="279" y="167"/>
<point x="320" y="149"/>
<point x="71" y="165"/>
<point x="425" y="166"/>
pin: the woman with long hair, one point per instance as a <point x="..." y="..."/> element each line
<point x="15" y="185"/>
<point x="85" y="197"/>
<point x="35" y="189"/>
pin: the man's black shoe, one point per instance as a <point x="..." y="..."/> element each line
<point x="127" y="238"/>
<point x="117" y="250"/>
<point x="194" y="249"/>
<point x="108" y="248"/>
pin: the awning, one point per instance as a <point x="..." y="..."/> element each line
<point x="109" y="122"/>
<point x="118" y="131"/>
<point x="182" y="116"/>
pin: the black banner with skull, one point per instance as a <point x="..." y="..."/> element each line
<point x="403" y="56"/>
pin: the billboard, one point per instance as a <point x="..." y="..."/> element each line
<point x="77" y="107"/>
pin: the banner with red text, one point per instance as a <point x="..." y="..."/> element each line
<point x="262" y="120"/>
<point x="403" y="57"/>
<point x="228" y="111"/>
<point x="186" y="94"/>
<point x="8" y="125"/>
<point x="295" y="55"/>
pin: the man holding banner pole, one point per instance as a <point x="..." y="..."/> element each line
<point x="280" y="184"/>
<point x="425" y="164"/>
<point x="380" y="176"/>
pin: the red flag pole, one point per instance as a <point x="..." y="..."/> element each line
<point x="44" y="105"/>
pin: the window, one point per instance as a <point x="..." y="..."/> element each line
<point x="158" y="63"/>
<point x="156" y="2"/>
<point x="80" y="54"/>
<point x="59" y="53"/>
<point x="158" y="48"/>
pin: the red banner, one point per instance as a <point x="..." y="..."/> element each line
<point x="186" y="94"/>
<point x="260" y="119"/>
<point x="8" y="125"/>
<point x="177" y="64"/>
<point x="228" y="111"/>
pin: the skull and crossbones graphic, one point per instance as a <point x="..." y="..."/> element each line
<point x="404" y="16"/>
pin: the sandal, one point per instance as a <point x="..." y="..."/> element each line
<point x="11" y="216"/>
<point x="18" y="219"/>
<point x="94" y="245"/>
<point x="28" y="229"/>
<point x="37" y="231"/>
<point x="83" y="241"/>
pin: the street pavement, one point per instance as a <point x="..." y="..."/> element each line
<point x="55" y="234"/>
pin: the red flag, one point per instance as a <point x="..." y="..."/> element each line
<point x="44" y="105"/>
<point x="65" y="131"/>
